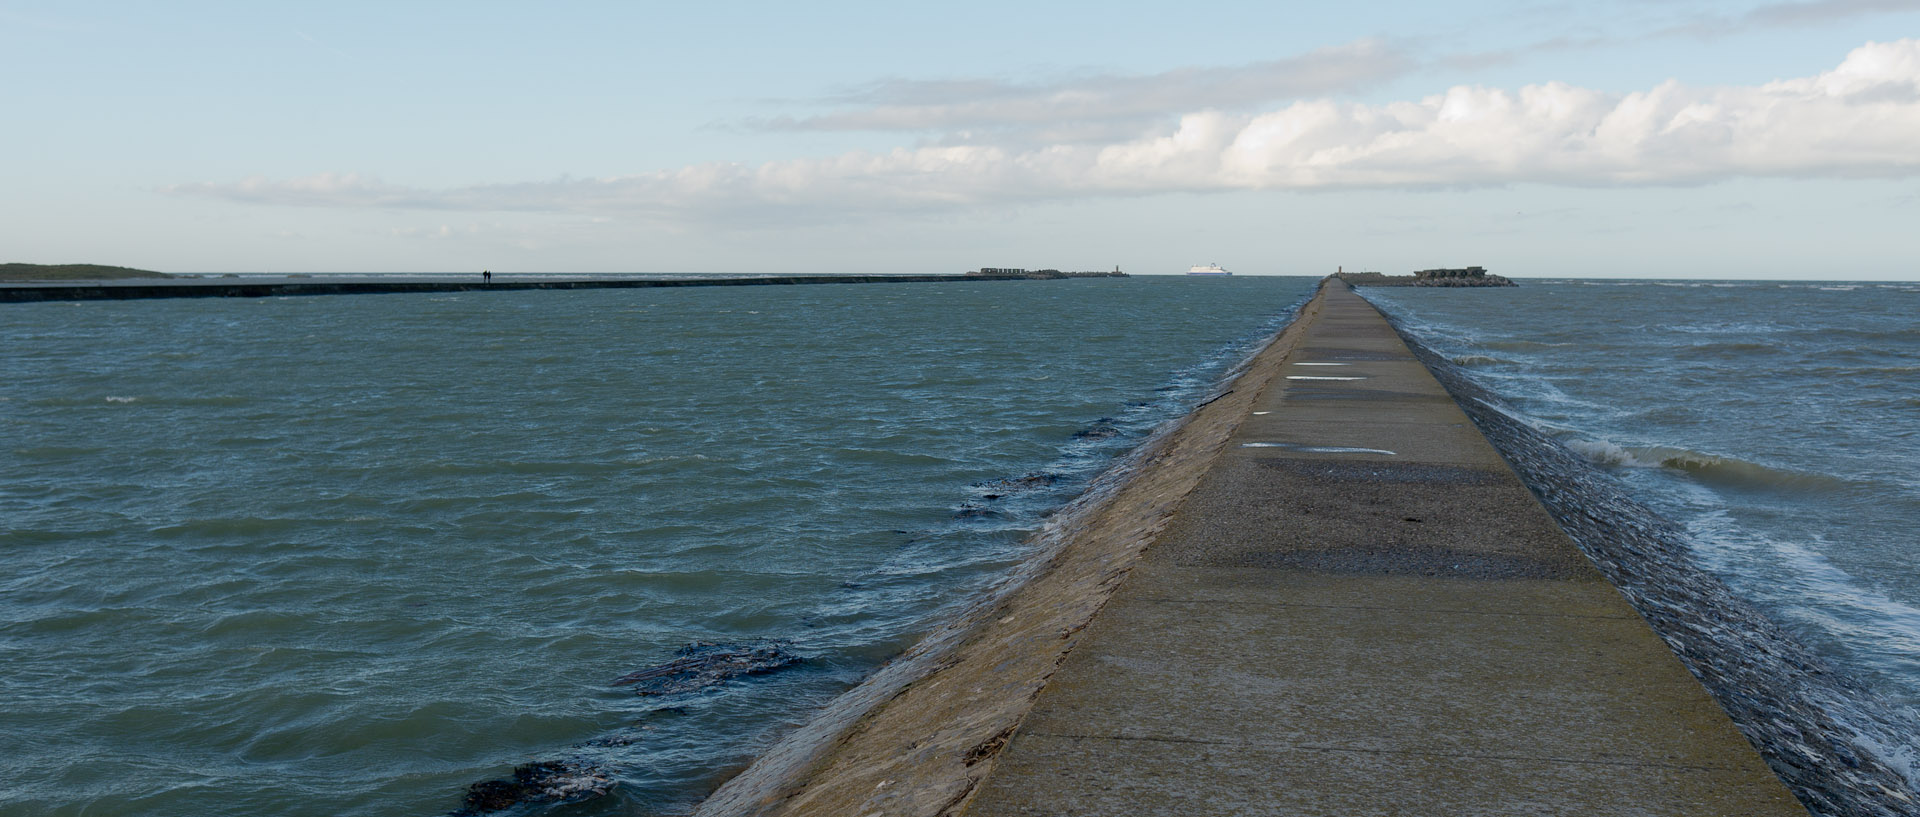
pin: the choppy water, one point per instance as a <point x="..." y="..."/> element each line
<point x="348" y="555"/>
<point x="1779" y="423"/>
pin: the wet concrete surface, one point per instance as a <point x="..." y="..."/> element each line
<point x="1361" y="633"/>
<point x="1312" y="597"/>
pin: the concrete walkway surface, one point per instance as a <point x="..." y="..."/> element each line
<point x="1322" y="594"/>
<point x="1362" y="611"/>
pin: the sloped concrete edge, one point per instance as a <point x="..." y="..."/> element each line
<point x="1816" y="727"/>
<point x="918" y="735"/>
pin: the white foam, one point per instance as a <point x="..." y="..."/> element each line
<point x="1606" y="453"/>
<point x="1901" y="757"/>
<point x="1808" y="586"/>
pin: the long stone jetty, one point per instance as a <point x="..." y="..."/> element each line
<point x="284" y="286"/>
<point x="1323" y="593"/>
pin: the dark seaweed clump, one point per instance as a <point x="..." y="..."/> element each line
<point x="1025" y="482"/>
<point x="1105" y="428"/>
<point x="695" y="666"/>
<point x="549" y="781"/>
<point x="996" y="490"/>
<point x="705" y="663"/>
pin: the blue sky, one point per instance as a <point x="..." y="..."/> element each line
<point x="1697" y="139"/>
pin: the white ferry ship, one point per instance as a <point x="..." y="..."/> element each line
<point x="1210" y="269"/>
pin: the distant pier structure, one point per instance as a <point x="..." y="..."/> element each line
<point x="1452" y="277"/>
<point x="1048" y="274"/>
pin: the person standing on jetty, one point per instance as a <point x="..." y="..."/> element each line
<point x="486" y="276"/>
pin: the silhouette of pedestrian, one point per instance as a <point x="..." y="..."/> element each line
<point x="486" y="276"/>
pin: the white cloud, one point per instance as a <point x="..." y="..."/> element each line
<point x="1861" y="119"/>
<point x="324" y="189"/>
<point x="962" y="105"/>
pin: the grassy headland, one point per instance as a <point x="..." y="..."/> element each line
<point x="72" y="272"/>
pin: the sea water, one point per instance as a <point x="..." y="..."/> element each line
<point x="1778" y="422"/>
<point x="347" y="555"/>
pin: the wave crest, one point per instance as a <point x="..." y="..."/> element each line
<point x="1479" y="360"/>
<point x="1710" y="468"/>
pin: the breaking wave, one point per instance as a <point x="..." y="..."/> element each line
<point x="1479" y="360"/>
<point x="1780" y="579"/>
<point x="1835" y="742"/>
<point x="1711" y="468"/>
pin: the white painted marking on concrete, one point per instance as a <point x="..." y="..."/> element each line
<point x="1322" y="364"/>
<point x="1263" y="412"/>
<point x="1321" y="449"/>
<point x="1318" y="377"/>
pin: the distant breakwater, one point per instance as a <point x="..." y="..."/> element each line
<point x="1463" y="277"/>
<point x="1820" y="730"/>
<point x="283" y="287"/>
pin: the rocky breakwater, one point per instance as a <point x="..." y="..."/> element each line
<point x="1463" y="277"/>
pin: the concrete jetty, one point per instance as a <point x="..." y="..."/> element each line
<point x="1323" y="594"/>
<point x="287" y="286"/>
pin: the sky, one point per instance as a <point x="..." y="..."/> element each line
<point x="1537" y="139"/>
